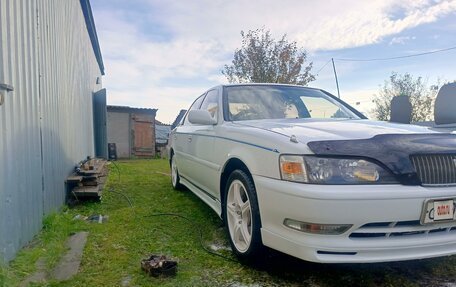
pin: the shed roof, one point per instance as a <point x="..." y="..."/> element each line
<point x="126" y="109"/>
<point x="90" y="23"/>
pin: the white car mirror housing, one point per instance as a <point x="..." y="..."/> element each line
<point x="201" y="117"/>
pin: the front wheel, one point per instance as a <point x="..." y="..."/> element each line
<point x="242" y="217"/>
<point x="175" y="178"/>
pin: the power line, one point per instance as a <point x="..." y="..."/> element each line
<point x="323" y="67"/>
<point x="377" y="59"/>
<point x="395" y="58"/>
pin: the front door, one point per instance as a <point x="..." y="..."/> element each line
<point x="201" y="150"/>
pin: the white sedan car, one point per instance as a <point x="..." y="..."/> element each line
<point x="300" y="171"/>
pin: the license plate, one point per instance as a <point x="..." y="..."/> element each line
<point x="435" y="211"/>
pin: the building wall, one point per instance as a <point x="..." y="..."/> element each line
<point x="46" y="123"/>
<point x="119" y="133"/>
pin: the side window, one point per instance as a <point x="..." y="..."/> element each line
<point x="196" y="105"/>
<point x="211" y="103"/>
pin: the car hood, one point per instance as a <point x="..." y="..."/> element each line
<point x="306" y="130"/>
<point x="390" y="145"/>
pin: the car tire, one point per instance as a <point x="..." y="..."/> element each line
<point x="242" y="217"/>
<point x="175" y="178"/>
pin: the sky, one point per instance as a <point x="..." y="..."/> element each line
<point x="163" y="54"/>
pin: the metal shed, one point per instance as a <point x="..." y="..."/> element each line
<point x="178" y="119"/>
<point x="50" y="70"/>
<point x="161" y="133"/>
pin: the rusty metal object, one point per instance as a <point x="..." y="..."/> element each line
<point x="159" y="265"/>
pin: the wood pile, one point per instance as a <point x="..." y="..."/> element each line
<point x="88" y="180"/>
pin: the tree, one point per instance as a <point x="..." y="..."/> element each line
<point x="339" y="114"/>
<point x="420" y="94"/>
<point x="262" y="59"/>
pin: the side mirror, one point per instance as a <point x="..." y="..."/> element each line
<point x="201" y="117"/>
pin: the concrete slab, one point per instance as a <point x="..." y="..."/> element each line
<point x="126" y="281"/>
<point x="70" y="262"/>
<point x="39" y="276"/>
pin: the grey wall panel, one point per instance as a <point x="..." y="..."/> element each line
<point x="119" y="133"/>
<point x="99" y="124"/>
<point x="46" y="123"/>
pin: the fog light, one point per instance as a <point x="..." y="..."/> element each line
<point x="329" y="229"/>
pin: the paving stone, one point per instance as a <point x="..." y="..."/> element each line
<point x="39" y="276"/>
<point x="126" y="281"/>
<point x="70" y="262"/>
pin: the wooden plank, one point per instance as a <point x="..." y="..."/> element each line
<point x="87" y="191"/>
<point x="74" y="178"/>
<point x="90" y="183"/>
<point x="89" y="177"/>
<point x="98" y="167"/>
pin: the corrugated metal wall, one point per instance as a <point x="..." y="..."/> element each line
<point x="46" y="123"/>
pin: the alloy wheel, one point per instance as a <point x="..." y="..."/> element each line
<point x="239" y="216"/>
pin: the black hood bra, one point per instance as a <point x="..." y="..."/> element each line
<point x="392" y="151"/>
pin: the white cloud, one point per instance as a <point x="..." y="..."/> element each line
<point x="169" y="101"/>
<point x="401" y="40"/>
<point x="201" y="36"/>
<point x="144" y="73"/>
<point x="321" y="25"/>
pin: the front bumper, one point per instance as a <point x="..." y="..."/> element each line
<point x="392" y="212"/>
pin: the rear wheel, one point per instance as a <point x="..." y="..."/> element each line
<point x="242" y="216"/>
<point x="175" y="179"/>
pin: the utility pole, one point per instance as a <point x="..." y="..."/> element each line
<point x="335" y="76"/>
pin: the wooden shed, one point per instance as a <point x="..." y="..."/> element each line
<point x="132" y="130"/>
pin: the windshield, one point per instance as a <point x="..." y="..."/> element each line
<point x="282" y="102"/>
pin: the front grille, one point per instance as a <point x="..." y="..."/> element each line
<point x="403" y="229"/>
<point x="435" y="169"/>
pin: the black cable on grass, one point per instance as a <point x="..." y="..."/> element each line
<point x="200" y="231"/>
<point x="111" y="189"/>
<point x="118" y="169"/>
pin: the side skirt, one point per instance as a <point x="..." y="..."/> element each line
<point x="213" y="202"/>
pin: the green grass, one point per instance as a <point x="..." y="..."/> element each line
<point x="114" y="249"/>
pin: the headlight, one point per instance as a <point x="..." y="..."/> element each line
<point x="322" y="170"/>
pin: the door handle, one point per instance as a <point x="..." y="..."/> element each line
<point x="189" y="139"/>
